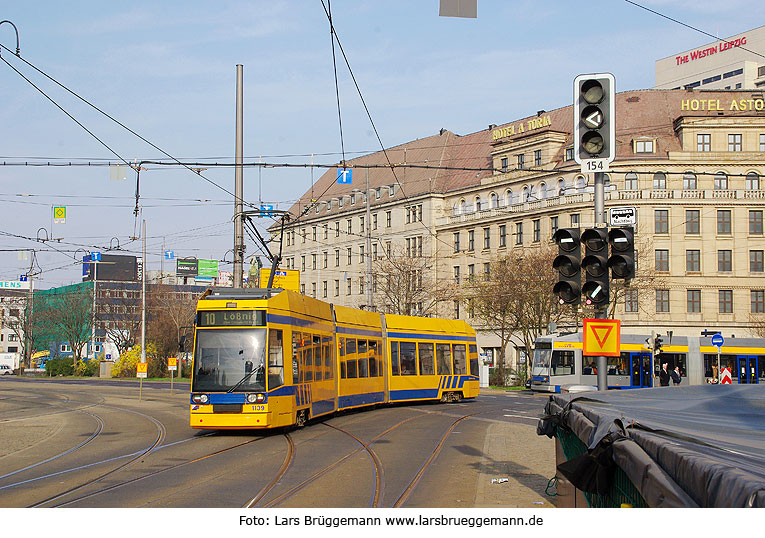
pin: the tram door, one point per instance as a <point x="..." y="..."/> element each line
<point x="642" y="373"/>
<point x="747" y="369"/>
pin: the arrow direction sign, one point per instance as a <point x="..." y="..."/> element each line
<point x="602" y="337"/>
<point x="594" y="119"/>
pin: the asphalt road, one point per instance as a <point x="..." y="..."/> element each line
<point x="94" y="444"/>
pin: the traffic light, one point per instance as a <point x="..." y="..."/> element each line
<point x="622" y="260"/>
<point x="594" y="119"/>
<point x="657" y="345"/>
<point x="595" y="265"/>
<point x="567" y="263"/>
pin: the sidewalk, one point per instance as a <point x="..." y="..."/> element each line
<point x="515" y="451"/>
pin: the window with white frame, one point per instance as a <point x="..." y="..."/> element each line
<point x="643" y="145"/>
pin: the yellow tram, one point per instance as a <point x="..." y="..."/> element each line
<point x="274" y="358"/>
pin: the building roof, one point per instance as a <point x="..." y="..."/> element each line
<point x="447" y="162"/>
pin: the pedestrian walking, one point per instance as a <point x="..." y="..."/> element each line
<point x="664" y="375"/>
<point x="676" y="377"/>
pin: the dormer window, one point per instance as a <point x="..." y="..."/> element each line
<point x="643" y="145"/>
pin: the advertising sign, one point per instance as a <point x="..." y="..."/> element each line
<point x="207" y="269"/>
<point x="186" y="266"/>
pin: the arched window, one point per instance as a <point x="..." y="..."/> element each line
<point x="561" y="187"/>
<point x="721" y="181"/>
<point x="630" y="181"/>
<point x="463" y="207"/>
<point x="532" y="194"/>
<point x="579" y="183"/>
<point x="493" y="200"/>
<point x="689" y="181"/>
<point x="525" y="194"/>
<point x="753" y="181"/>
<point x="659" y="181"/>
<point x="543" y="190"/>
<point x="508" y="197"/>
<point x="477" y="203"/>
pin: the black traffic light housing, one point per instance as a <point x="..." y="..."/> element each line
<point x="622" y="260"/>
<point x="594" y="118"/>
<point x="657" y="345"/>
<point x="568" y="265"/>
<point x="595" y="266"/>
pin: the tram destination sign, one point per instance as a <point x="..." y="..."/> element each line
<point x="231" y="318"/>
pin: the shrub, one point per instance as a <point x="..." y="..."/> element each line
<point x="89" y="368"/>
<point x="126" y="365"/>
<point x="59" y="366"/>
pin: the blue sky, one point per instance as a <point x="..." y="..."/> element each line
<point x="167" y="70"/>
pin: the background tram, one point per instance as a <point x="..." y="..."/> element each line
<point x="558" y="362"/>
<point x="273" y="358"/>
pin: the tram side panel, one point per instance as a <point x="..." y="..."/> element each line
<point x="359" y="361"/>
<point x="431" y="359"/>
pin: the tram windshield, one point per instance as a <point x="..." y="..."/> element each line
<point x="542" y="356"/>
<point x="230" y="360"/>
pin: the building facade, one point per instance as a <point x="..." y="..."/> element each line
<point x="689" y="161"/>
<point x="734" y="63"/>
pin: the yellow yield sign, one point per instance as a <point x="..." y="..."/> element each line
<point x="602" y="337"/>
<point x="141" y="369"/>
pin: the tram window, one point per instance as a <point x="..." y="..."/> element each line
<point x="363" y="351"/>
<point x="307" y="352"/>
<point x="427" y="366"/>
<point x="326" y="350"/>
<point x="342" y="370"/>
<point x="363" y="366"/>
<point x="563" y="363"/>
<point x="350" y="368"/>
<point x="318" y="368"/>
<point x="617" y="365"/>
<point x="394" y="358"/>
<point x="460" y="360"/>
<point x="378" y="355"/>
<point x="296" y="366"/>
<point x="374" y="371"/>
<point x="473" y="359"/>
<point x="275" y="359"/>
<point x="444" y="359"/>
<point x="408" y="358"/>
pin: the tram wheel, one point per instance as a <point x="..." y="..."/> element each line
<point x="456" y="397"/>
<point x="301" y="418"/>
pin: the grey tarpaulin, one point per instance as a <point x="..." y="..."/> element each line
<point x="680" y="446"/>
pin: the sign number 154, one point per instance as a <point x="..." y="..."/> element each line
<point x="594" y="165"/>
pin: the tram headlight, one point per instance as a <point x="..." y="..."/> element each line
<point x="200" y="398"/>
<point x="256" y="398"/>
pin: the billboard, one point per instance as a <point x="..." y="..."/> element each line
<point x="186" y="267"/>
<point x="196" y="268"/>
<point x="111" y="267"/>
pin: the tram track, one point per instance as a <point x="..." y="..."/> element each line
<point x="161" y="432"/>
<point x="379" y="475"/>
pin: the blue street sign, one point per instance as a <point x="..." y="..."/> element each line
<point x="22" y="278"/>
<point x="169" y="255"/>
<point x="718" y="340"/>
<point x="95" y="256"/>
<point x="266" y="210"/>
<point x="344" y="175"/>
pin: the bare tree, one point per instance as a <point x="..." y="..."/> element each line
<point x="515" y="299"/>
<point x="18" y="315"/>
<point x="120" y="315"/>
<point x="403" y="285"/>
<point x="68" y="312"/>
<point x="168" y="309"/>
